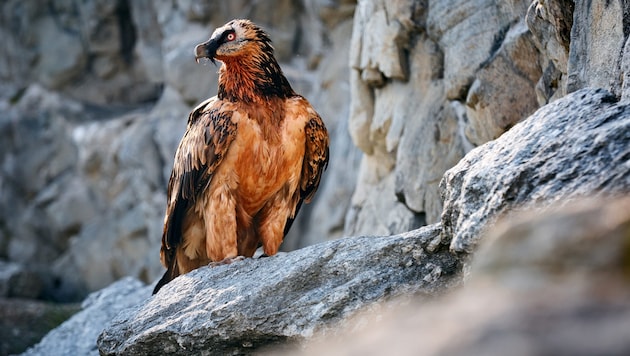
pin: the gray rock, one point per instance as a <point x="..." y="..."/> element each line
<point x="124" y="183"/>
<point x="430" y="141"/>
<point x="249" y="304"/>
<point x="77" y="335"/>
<point x="85" y="50"/>
<point x="62" y="56"/>
<point x="16" y="281"/>
<point x="69" y="187"/>
<point x="148" y="49"/>
<point x="37" y="158"/>
<point x="550" y="282"/>
<point x="375" y="208"/>
<point x="23" y="322"/>
<point x="597" y="39"/>
<point x="490" y="108"/>
<point x="550" y="23"/>
<point x="425" y="89"/>
<point x="194" y="82"/>
<point x="387" y="70"/>
<point x="451" y="30"/>
<point x="557" y="154"/>
<point x="625" y="69"/>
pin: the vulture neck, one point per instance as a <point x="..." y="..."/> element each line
<point x="253" y="79"/>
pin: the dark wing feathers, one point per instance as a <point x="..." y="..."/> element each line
<point x="314" y="164"/>
<point x="208" y="136"/>
<point x="315" y="157"/>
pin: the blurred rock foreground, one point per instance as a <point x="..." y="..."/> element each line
<point x="94" y="98"/>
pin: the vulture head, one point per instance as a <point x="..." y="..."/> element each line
<point x="234" y="40"/>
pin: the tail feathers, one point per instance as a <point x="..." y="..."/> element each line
<point x="169" y="275"/>
<point x="289" y="222"/>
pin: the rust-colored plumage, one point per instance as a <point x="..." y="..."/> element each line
<point x="249" y="158"/>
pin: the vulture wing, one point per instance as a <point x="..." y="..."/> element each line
<point x="315" y="161"/>
<point x="208" y="136"/>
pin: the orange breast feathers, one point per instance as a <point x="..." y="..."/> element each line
<point x="239" y="180"/>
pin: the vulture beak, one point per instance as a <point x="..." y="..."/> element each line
<point x="207" y="49"/>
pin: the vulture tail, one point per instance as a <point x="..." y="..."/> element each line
<point x="169" y="275"/>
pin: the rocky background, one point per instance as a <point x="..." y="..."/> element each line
<point x="94" y="98"/>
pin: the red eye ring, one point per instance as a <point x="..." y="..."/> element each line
<point x="230" y="37"/>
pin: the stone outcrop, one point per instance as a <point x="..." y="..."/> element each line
<point x="292" y="297"/>
<point x="241" y="307"/>
<point x="89" y="124"/>
<point x="540" y="88"/>
<point x="424" y="91"/>
<point x="550" y="282"/>
<point x="574" y="147"/>
<point x="428" y="88"/>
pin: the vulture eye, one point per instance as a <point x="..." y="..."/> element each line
<point x="231" y="36"/>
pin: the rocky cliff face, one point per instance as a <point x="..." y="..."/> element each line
<point x="444" y="76"/>
<point x="575" y="252"/>
<point x="425" y="91"/>
<point x="408" y="89"/>
<point x="94" y="100"/>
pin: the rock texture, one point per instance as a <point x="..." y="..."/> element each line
<point x="23" y="322"/>
<point x="597" y="43"/>
<point x="423" y="95"/>
<point x="94" y="98"/>
<point x="550" y="23"/>
<point x="77" y="335"/>
<point x="79" y="203"/>
<point x="551" y="282"/>
<point x="86" y="50"/>
<point x="574" y="147"/>
<point x="259" y="303"/>
<point x="556" y="155"/>
<point x="444" y="76"/>
<point x="238" y="308"/>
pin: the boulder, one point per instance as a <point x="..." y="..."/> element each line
<point x="598" y="36"/>
<point x="550" y="23"/>
<point x="246" y="305"/>
<point x="574" y="147"/>
<point x="490" y="108"/>
<point x="425" y="90"/>
<point x="545" y="282"/>
<point x="77" y="335"/>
